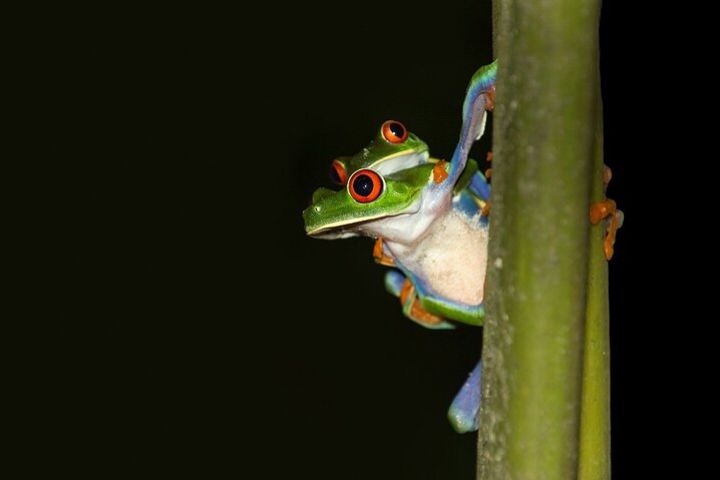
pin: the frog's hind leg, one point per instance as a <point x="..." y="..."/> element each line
<point x="397" y="284"/>
<point x="463" y="411"/>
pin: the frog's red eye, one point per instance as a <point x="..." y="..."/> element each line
<point x="394" y="132"/>
<point x="338" y="174"/>
<point x="365" y="186"/>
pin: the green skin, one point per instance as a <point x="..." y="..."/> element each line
<point x="331" y="210"/>
<point x="379" y="153"/>
<point x="408" y="205"/>
<point x="332" y="213"/>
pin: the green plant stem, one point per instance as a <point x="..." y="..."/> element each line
<point x="594" y="462"/>
<point x="537" y="265"/>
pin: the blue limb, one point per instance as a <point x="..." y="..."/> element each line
<point x="393" y="282"/>
<point x="480" y="186"/>
<point x="478" y="100"/>
<point x="464" y="409"/>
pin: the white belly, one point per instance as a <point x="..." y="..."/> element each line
<point x="451" y="257"/>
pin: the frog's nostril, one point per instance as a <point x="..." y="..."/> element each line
<point x="317" y="208"/>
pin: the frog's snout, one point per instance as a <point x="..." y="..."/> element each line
<point x="310" y="217"/>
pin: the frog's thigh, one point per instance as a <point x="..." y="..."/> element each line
<point x="397" y="284"/>
<point x="457" y="313"/>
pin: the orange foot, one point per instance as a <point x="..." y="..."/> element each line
<point x="490" y="104"/>
<point x="602" y="210"/>
<point x="379" y="254"/>
<point x="413" y="309"/>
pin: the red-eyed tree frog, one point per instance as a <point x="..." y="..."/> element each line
<point x="429" y="219"/>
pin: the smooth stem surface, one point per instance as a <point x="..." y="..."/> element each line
<point x="594" y="461"/>
<point x="538" y="259"/>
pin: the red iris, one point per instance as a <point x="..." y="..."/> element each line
<point x="394" y="131"/>
<point x="365" y="186"/>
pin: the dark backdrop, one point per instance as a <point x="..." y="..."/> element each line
<point x="217" y="337"/>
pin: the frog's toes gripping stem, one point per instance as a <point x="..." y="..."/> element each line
<point x="485" y="212"/>
<point x="607" y="209"/>
<point x="397" y="284"/>
<point x="490" y="99"/>
<point x="488" y="172"/>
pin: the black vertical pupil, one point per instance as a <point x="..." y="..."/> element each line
<point x="397" y="129"/>
<point x="363" y="185"/>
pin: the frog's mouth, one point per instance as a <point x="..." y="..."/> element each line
<point x="330" y="216"/>
<point x="356" y="228"/>
<point x="347" y="225"/>
<point x="335" y="232"/>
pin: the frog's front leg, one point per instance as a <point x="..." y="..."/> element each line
<point x="382" y="255"/>
<point x="397" y="284"/>
<point x="607" y="209"/>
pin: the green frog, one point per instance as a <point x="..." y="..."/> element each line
<point x="429" y="219"/>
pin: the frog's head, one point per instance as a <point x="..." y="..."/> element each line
<point x="371" y="204"/>
<point x="394" y="148"/>
<point x="385" y="179"/>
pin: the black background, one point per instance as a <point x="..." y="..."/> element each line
<point x="200" y="330"/>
